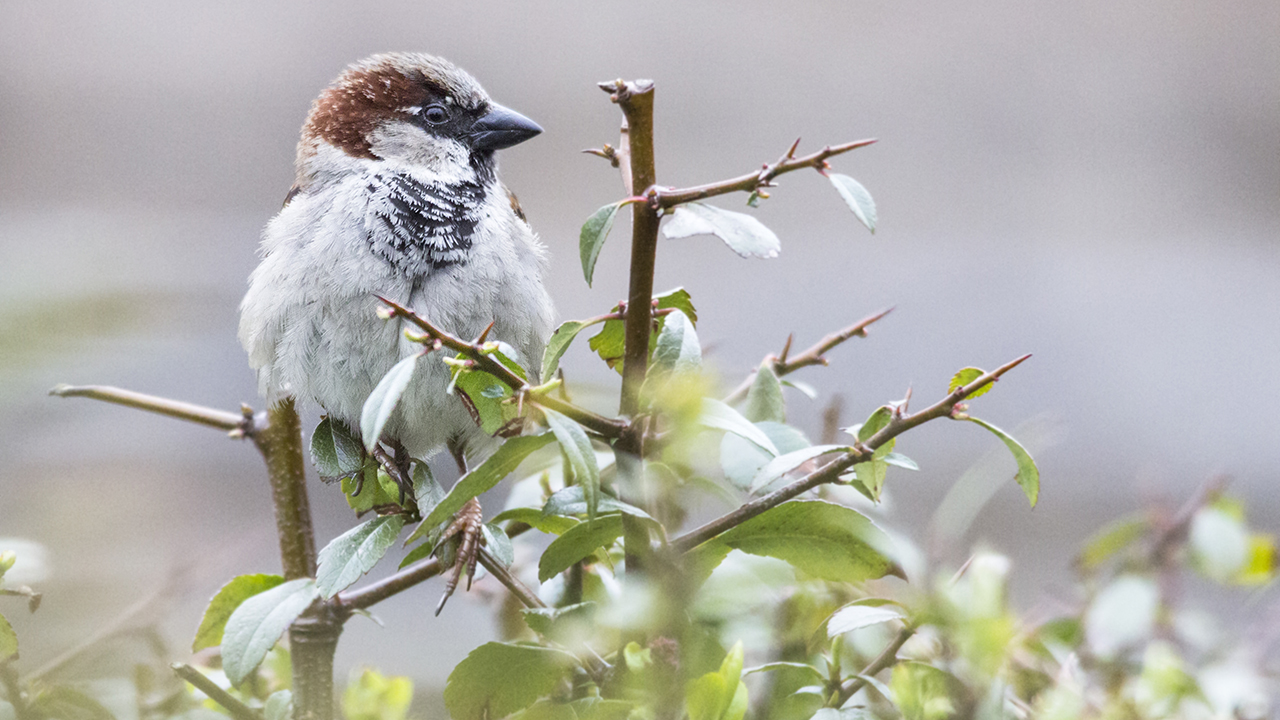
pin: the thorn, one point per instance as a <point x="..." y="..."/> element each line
<point x="485" y="334"/>
<point x="792" y="152"/>
<point x="786" y="348"/>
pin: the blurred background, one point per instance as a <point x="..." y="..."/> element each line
<point x="1093" y="182"/>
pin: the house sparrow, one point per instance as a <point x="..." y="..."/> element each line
<point x="396" y="195"/>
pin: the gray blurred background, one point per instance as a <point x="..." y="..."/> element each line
<point x="1093" y="182"/>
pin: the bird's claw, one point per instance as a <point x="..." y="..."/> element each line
<point x="468" y="526"/>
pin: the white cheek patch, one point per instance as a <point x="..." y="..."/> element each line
<point x="410" y="144"/>
<point x="412" y="109"/>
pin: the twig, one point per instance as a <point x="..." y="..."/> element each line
<point x="885" y="659"/>
<point x="862" y="452"/>
<point x="238" y="710"/>
<point x="220" y="419"/>
<point x="607" y="427"/>
<point x="815" y="355"/>
<point x="665" y="198"/>
<point x="522" y="592"/>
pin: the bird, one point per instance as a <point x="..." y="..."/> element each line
<point x="397" y="195"/>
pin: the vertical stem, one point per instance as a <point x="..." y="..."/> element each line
<point x="313" y="637"/>
<point x="636" y="101"/>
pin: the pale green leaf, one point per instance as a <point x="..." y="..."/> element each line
<point x="783" y="464"/>
<point x="902" y="461"/>
<point x="497" y="679"/>
<point x="764" y="398"/>
<point x="744" y="234"/>
<point x="279" y="706"/>
<point x="576" y="447"/>
<point x="8" y="640"/>
<point x="577" y="543"/>
<point x="557" y="345"/>
<point x="856" y="197"/>
<point x="570" y="502"/>
<point x="427" y="493"/>
<point x="1111" y="539"/>
<point x="355" y="552"/>
<point x="855" y="617"/>
<point x="592" y="237"/>
<point x="677" y="350"/>
<point x="718" y="416"/>
<point x="258" y="623"/>
<point x="499" y="545"/>
<point x="334" y="450"/>
<point x="741" y="460"/>
<point x="536" y="519"/>
<point x="227" y="599"/>
<point x="1028" y="476"/>
<point x="966" y="376"/>
<point x="384" y="398"/>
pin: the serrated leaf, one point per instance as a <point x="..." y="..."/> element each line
<point x="577" y="543"/>
<point x="744" y="234"/>
<point x="783" y="464"/>
<point x="741" y="460"/>
<point x="569" y="502"/>
<point x="825" y="540"/>
<point x="384" y="398"/>
<point x="355" y="552"/>
<point x="499" y="545"/>
<point x="592" y="236"/>
<point x="536" y="519"/>
<point x="557" y="345"/>
<point x="856" y="197"/>
<point x="855" y="617"/>
<point x="497" y="679"/>
<point x="8" y="640"/>
<point x="1028" y="476"/>
<point x="677" y="349"/>
<point x="427" y="493"/>
<point x="718" y="416"/>
<point x="258" y="623"/>
<point x="576" y="447"/>
<point x="552" y="622"/>
<point x="677" y="299"/>
<point x="966" y="376"/>
<point x="489" y="473"/>
<point x="764" y="398"/>
<point x="225" y="602"/>
<point x="334" y="450"/>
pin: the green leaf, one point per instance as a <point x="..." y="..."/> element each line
<point x="561" y="622"/>
<point x="743" y="234"/>
<point x="497" y="679"/>
<point x="258" y="623"/>
<point x="569" y="502"/>
<point x="334" y="450"/>
<point x="486" y="393"/>
<point x="678" y="299"/>
<point x="1028" y="474"/>
<point x="902" y="461"/>
<point x="538" y="520"/>
<point x="355" y="552"/>
<point x="610" y="342"/>
<point x="374" y="696"/>
<point x="783" y="464"/>
<point x="1111" y="539"/>
<point x="874" y="424"/>
<point x="225" y="602"/>
<point x="764" y="399"/>
<point x="592" y="237"/>
<point x="279" y="706"/>
<point x="553" y="710"/>
<point x="577" y="543"/>
<point x="557" y="345"/>
<point x="966" y="376"/>
<point x="8" y="640"/>
<point x="715" y="695"/>
<point x="855" y="617"/>
<point x="582" y="457"/>
<point x="427" y="493"/>
<point x="677" y="350"/>
<point x="805" y="388"/>
<point x="495" y="538"/>
<point x="718" y="416"/>
<point x="825" y="540"/>
<point x="741" y="460"/>
<point x="384" y="398"/>
<point x="373" y="491"/>
<point x="856" y="197"/>
<point x="489" y="473"/>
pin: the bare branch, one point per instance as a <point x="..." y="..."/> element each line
<point x="221" y="419"/>
<point x="238" y="710"/>
<point x="887" y="658"/>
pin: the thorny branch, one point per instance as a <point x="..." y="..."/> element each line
<point x="815" y="355"/>
<point x="478" y="353"/>
<point x="832" y="470"/>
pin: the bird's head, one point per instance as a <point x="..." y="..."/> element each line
<point x="412" y="108"/>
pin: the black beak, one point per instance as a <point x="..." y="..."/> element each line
<point x="501" y="128"/>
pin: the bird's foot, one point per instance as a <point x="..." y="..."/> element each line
<point x="397" y="467"/>
<point x="468" y="527"/>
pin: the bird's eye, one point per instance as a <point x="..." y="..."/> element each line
<point x="435" y="114"/>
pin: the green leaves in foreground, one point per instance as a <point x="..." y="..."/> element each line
<point x="577" y="449"/>
<point x="827" y="541"/>
<point x="592" y="237"/>
<point x="856" y="197"/>
<point x="384" y="398"/>
<point x="489" y="473"/>
<point x="1028" y="476"/>
<point x="497" y="679"/>
<point x="355" y="552"/>
<point x="557" y="345"/>
<point x="8" y="640"/>
<point x="719" y="695"/>
<point x="743" y="234"/>
<point x="225" y="602"/>
<point x="258" y="623"/>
